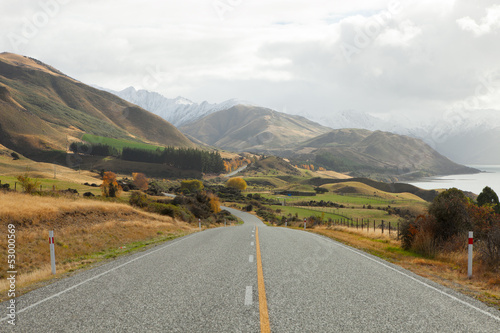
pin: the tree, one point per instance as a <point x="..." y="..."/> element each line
<point x="449" y="209"/>
<point x="140" y="180"/>
<point x="488" y="196"/>
<point x="237" y="183"/>
<point x="110" y="187"/>
<point x="214" y="202"/>
<point x="192" y="186"/>
<point x="14" y="155"/>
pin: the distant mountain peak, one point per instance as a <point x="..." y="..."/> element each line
<point x="178" y="111"/>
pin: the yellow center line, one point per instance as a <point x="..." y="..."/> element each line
<point x="264" y="315"/>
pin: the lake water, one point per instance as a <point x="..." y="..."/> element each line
<point x="473" y="183"/>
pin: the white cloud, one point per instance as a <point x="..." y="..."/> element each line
<point x="487" y="24"/>
<point x="277" y="53"/>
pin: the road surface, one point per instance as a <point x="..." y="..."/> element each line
<point x="209" y="282"/>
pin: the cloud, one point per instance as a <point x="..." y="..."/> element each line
<point x="487" y="24"/>
<point x="413" y="57"/>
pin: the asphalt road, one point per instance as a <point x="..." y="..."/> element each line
<point x="207" y="282"/>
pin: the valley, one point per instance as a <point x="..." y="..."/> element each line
<point x="85" y="162"/>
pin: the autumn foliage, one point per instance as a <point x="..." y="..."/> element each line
<point x="214" y="202"/>
<point x="110" y="187"/>
<point x="140" y="180"/>
<point x="237" y="183"/>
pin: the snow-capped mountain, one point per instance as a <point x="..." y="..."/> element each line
<point x="468" y="137"/>
<point x="178" y="111"/>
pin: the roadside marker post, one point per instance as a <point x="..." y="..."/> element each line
<point x="52" y="252"/>
<point x="199" y="223"/>
<point x="471" y="242"/>
<point x="304" y="224"/>
<point x="286" y="223"/>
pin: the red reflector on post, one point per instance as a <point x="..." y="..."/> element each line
<point x="471" y="241"/>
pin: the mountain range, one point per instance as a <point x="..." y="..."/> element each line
<point x="41" y="109"/>
<point x="179" y="111"/>
<point x="468" y="137"/>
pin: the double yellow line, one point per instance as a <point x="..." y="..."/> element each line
<point x="264" y="314"/>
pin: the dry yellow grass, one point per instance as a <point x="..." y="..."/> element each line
<point x="81" y="227"/>
<point x="448" y="269"/>
<point x="9" y="167"/>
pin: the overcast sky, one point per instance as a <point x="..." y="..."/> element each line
<point x="316" y="56"/>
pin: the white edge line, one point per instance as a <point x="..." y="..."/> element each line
<point x="98" y="275"/>
<point x="408" y="276"/>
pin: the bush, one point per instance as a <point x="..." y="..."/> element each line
<point x="237" y="183"/>
<point x="489" y="249"/>
<point x="139" y="199"/>
<point x="191" y="186"/>
<point x="28" y="184"/>
<point x="15" y="156"/>
<point x="450" y="212"/>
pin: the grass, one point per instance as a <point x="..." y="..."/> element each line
<point x="86" y="232"/>
<point x="305" y="212"/>
<point x="118" y="143"/>
<point x="50" y="184"/>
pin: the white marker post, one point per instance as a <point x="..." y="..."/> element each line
<point x="199" y="223"/>
<point x="224" y="222"/>
<point x="471" y="242"/>
<point x="304" y="224"/>
<point x="286" y="223"/>
<point x="52" y="252"/>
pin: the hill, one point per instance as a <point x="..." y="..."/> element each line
<point x="251" y="128"/>
<point x="41" y="109"/>
<point x="373" y="154"/>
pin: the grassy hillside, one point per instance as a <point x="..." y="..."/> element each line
<point x="43" y="109"/>
<point x="252" y="128"/>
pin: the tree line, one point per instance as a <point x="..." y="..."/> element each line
<point x="180" y="158"/>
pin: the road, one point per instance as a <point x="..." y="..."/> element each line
<point x="209" y="282"/>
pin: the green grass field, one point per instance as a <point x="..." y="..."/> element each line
<point x="305" y="212"/>
<point x="49" y="184"/>
<point x="117" y="143"/>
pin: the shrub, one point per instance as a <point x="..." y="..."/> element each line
<point x="237" y="183"/>
<point x="139" y="200"/>
<point x="489" y="249"/>
<point x="140" y="181"/>
<point x="15" y="156"/>
<point x="449" y="209"/>
<point x="110" y="187"/>
<point x="28" y="184"/>
<point x="191" y="186"/>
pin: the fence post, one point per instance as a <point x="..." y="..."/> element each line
<point x="382" y="226"/>
<point x="398" y="232"/>
<point x="471" y="242"/>
<point x="373" y="225"/>
<point x="52" y="252"/>
<point x="389" y="228"/>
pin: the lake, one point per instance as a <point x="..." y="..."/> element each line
<point x="471" y="182"/>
